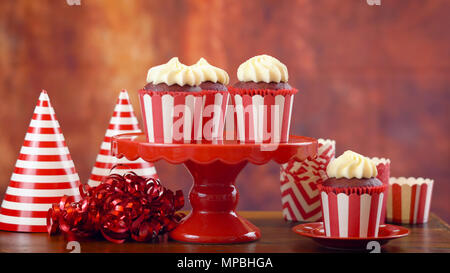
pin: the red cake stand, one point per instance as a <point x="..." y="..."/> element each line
<point x="214" y="168"/>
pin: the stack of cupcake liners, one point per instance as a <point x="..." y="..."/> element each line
<point x="409" y="200"/>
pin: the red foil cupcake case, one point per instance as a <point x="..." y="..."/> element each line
<point x="353" y="212"/>
<point x="262" y="116"/>
<point x="180" y="117"/>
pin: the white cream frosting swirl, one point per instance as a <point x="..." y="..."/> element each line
<point x="210" y="73"/>
<point x="352" y="165"/>
<point x="262" y="68"/>
<point x="174" y="72"/>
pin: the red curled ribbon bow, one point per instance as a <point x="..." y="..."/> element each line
<point x="121" y="207"/>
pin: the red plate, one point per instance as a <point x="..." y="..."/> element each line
<point x="316" y="232"/>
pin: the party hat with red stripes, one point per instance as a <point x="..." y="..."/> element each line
<point x="44" y="172"/>
<point x="123" y="121"/>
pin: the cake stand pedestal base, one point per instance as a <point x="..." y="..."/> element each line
<point x="214" y="198"/>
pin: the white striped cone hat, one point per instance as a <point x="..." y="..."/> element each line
<point x="44" y="172"/>
<point x="122" y="121"/>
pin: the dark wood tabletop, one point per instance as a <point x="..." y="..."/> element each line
<point x="277" y="236"/>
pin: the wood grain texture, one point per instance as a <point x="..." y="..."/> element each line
<point x="277" y="237"/>
<point x="375" y="79"/>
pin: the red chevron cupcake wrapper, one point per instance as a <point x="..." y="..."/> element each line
<point x="177" y="117"/>
<point x="299" y="179"/>
<point x="409" y="200"/>
<point x="44" y="172"/>
<point x="262" y="116"/>
<point x="351" y="215"/>
<point x="123" y="121"/>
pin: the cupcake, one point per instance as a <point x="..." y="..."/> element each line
<point x="176" y="105"/>
<point x="351" y="197"/>
<point x="262" y="99"/>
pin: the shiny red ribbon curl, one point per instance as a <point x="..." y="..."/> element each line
<point x="122" y="207"/>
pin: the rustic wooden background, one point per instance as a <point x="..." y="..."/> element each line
<point x="374" y="78"/>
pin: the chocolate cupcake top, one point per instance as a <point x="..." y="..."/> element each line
<point x="352" y="165"/>
<point x="174" y="73"/>
<point x="352" y="182"/>
<point x="263" y="68"/>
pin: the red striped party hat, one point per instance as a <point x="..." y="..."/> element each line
<point x="122" y="121"/>
<point x="44" y="172"/>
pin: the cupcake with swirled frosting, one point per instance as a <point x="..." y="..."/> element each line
<point x="262" y="91"/>
<point x="182" y="104"/>
<point x="352" y="197"/>
<point x="352" y="170"/>
<point x="262" y="72"/>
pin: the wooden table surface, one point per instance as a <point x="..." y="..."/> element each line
<point x="276" y="237"/>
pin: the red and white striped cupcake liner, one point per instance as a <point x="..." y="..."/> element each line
<point x="44" y="172"/>
<point x="262" y="116"/>
<point x="352" y="212"/>
<point x="123" y="121"/>
<point x="178" y="117"/>
<point x="299" y="179"/>
<point x="383" y="169"/>
<point x="409" y="200"/>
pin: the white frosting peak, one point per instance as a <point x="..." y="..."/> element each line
<point x="262" y="68"/>
<point x="202" y="61"/>
<point x="174" y="72"/>
<point x="210" y="73"/>
<point x="352" y="165"/>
